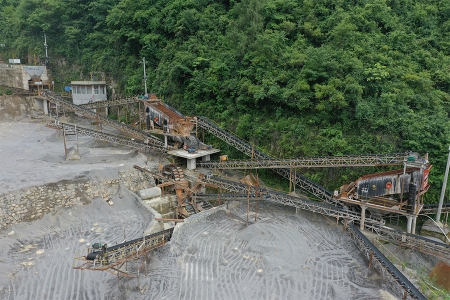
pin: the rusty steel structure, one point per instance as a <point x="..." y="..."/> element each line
<point x="363" y="160"/>
<point x="147" y="138"/>
<point x="113" y="258"/>
<point x="136" y="144"/>
<point x="187" y="202"/>
<point x="169" y="119"/>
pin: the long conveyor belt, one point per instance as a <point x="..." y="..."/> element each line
<point x="381" y="263"/>
<point x="428" y="209"/>
<point x="140" y="145"/>
<point x="413" y="241"/>
<point x="297" y="202"/>
<point x="304" y="183"/>
<point x="366" y="160"/>
<point x="92" y="115"/>
<point x="374" y="224"/>
<point x="112" y="102"/>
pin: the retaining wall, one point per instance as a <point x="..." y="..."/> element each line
<point x="32" y="203"/>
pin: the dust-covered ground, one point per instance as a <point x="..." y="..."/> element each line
<point x="32" y="154"/>
<point x="283" y="255"/>
<point x="36" y="257"/>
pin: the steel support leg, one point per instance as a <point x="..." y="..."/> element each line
<point x="363" y="217"/>
<point x="409" y="224"/>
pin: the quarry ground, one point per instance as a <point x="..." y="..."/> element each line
<point x="213" y="255"/>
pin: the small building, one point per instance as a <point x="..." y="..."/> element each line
<point x="30" y="78"/>
<point x="88" y="91"/>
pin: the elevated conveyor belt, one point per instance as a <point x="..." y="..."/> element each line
<point x="429" y="209"/>
<point x="304" y="183"/>
<point x="230" y="197"/>
<point x="110" y="257"/>
<point x="138" y="134"/>
<point x="412" y="241"/>
<point x="310" y="162"/>
<point x="242" y="192"/>
<point x="106" y="137"/>
<point x="297" y="202"/>
<point x="381" y="263"/>
<point x="108" y="103"/>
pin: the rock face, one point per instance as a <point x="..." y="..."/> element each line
<point x="32" y="203"/>
<point x="429" y="228"/>
<point x="14" y="107"/>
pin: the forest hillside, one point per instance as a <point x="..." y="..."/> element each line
<point x="294" y="77"/>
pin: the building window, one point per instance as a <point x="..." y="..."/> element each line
<point x="96" y="89"/>
<point x="102" y="90"/>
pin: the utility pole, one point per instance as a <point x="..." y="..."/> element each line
<point x="444" y="186"/>
<point x="145" y="78"/>
<point x="45" y="45"/>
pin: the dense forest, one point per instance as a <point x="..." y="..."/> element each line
<point x="294" y="77"/>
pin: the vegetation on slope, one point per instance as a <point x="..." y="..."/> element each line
<point x="296" y="78"/>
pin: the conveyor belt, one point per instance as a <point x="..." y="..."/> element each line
<point x="304" y="183"/>
<point x="428" y="209"/>
<point x="413" y="241"/>
<point x="108" y="103"/>
<point x="366" y="160"/>
<point x="91" y="115"/>
<point x="381" y="263"/>
<point x="114" y="255"/>
<point x="297" y="202"/>
<point x="106" y="137"/>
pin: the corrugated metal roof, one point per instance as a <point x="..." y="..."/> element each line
<point x="159" y="106"/>
<point x="388" y="173"/>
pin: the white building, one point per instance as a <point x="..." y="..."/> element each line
<point x="88" y="91"/>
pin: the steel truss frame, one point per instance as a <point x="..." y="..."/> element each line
<point x="112" y="102"/>
<point x="304" y="183"/>
<point x="297" y="202"/>
<point x="141" y="146"/>
<point x="429" y="209"/>
<point x="412" y="241"/>
<point x="310" y="162"/>
<point x="92" y="115"/>
<point x="115" y="256"/>
<point x="381" y="263"/>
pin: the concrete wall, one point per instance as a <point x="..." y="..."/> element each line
<point x="32" y="203"/>
<point x="14" y="77"/>
<point x="41" y="104"/>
